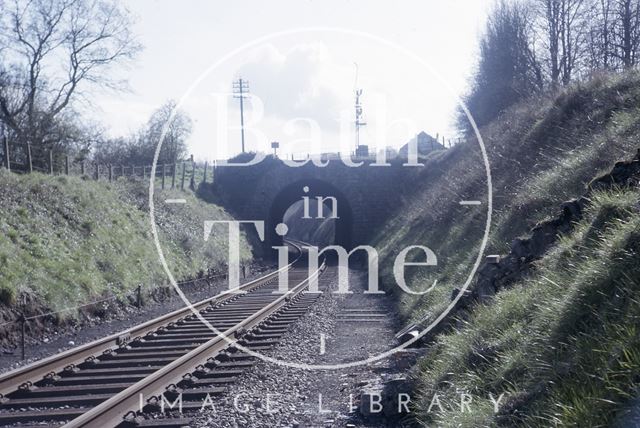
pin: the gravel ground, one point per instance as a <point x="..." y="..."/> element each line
<point x="58" y="339"/>
<point x="272" y="395"/>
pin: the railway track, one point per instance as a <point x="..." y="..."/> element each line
<point x="123" y="379"/>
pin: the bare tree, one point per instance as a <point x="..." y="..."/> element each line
<point x="140" y="148"/>
<point x="508" y="69"/>
<point x="565" y="35"/>
<point x="552" y="14"/>
<point x="178" y="129"/>
<point x="571" y="39"/>
<point x="48" y="49"/>
<point x="626" y="32"/>
<point x="600" y="35"/>
<point x="615" y="34"/>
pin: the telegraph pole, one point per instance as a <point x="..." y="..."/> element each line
<point x="358" y="107"/>
<point x="359" y="123"/>
<point x="240" y="90"/>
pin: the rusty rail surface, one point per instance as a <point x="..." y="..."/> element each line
<point x="35" y="371"/>
<point x="112" y="411"/>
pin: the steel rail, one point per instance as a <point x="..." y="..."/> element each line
<point x="112" y="411"/>
<point x="37" y="370"/>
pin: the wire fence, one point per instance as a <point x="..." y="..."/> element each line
<point x="136" y="297"/>
<point x="26" y="158"/>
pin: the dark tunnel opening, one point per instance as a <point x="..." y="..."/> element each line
<point x="331" y="219"/>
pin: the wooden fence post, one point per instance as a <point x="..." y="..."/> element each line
<point x="139" y="296"/>
<point x="97" y="171"/>
<point x="110" y="172"/>
<point x="29" y="158"/>
<point x="173" y="175"/>
<point x="121" y="170"/>
<point x="133" y="170"/>
<point x="7" y="158"/>
<point x="23" y="322"/>
<point x="192" y="182"/>
<point x="184" y="171"/>
<point x="204" y="178"/>
<point x="144" y="171"/>
<point x="163" y="175"/>
<point x="66" y="164"/>
<point x="82" y="167"/>
<point x="51" y="162"/>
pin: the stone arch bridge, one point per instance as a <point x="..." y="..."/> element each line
<point x="365" y="195"/>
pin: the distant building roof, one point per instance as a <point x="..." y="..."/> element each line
<point x="426" y="144"/>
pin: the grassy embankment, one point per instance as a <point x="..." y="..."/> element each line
<point x="563" y="342"/>
<point x="65" y="241"/>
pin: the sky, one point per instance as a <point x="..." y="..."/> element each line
<point x="412" y="59"/>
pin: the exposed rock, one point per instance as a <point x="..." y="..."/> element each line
<point x="499" y="272"/>
<point x="493" y="277"/>
<point x="623" y="174"/>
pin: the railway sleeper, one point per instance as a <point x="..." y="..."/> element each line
<point x="50" y="402"/>
<point x="153" y="410"/>
<point x="286" y="318"/>
<point x="213" y="381"/>
<point x="256" y="348"/>
<point x="136" y="347"/>
<point x="224" y="368"/>
<point x="231" y="364"/>
<point x="249" y="302"/>
<point x="40" y="416"/>
<point x="225" y="356"/>
<point x="177" y="335"/>
<point x="88" y="380"/>
<point x="230" y="321"/>
<point x="68" y="390"/>
<point x="203" y="328"/>
<point x="222" y="316"/>
<point x="186" y="341"/>
<point x="99" y="372"/>
<point x="247" y="343"/>
<point x="277" y="323"/>
<point x="218" y="374"/>
<point x="222" y="323"/>
<point x="132" y="354"/>
<point x="263" y="336"/>
<point x="246" y="303"/>
<point x="270" y="330"/>
<point x="134" y="362"/>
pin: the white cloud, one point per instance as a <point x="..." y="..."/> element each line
<point x="291" y="84"/>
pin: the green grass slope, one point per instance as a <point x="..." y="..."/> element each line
<point x="562" y="345"/>
<point x="65" y="241"/>
<point x="541" y="154"/>
<point x="561" y="342"/>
